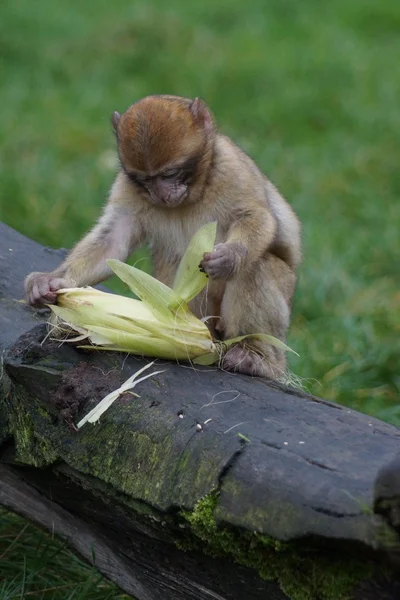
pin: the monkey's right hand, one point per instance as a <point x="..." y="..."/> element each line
<point x="41" y="288"/>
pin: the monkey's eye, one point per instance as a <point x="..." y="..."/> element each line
<point x="171" y="174"/>
<point x="138" y="179"/>
<point x="142" y="179"/>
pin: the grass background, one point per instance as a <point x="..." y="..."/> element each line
<point x="309" y="89"/>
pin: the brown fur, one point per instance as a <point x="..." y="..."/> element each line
<point x="156" y="132"/>
<point x="252" y="268"/>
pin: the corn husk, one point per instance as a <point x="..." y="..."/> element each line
<point x="94" y="415"/>
<point x="189" y="280"/>
<point x="159" y="324"/>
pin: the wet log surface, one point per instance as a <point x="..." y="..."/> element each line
<point x="202" y="463"/>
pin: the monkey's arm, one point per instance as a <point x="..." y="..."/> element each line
<point x="251" y="233"/>
<point x="116" y="235"/>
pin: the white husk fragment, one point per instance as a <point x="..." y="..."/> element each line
<point x="160" y="324"/>
<point x="94" y="415"/>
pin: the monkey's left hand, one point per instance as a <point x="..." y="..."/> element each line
<point x="222" y="263"/>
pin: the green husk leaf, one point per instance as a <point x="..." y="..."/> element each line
<point x="154" y="293"/>
<point x="163" y="346"/>
<point x="189" y="280"/>
<point x="207" y="359"/>
<point x="264" y="337"/>
<point x="144" y="346"/>
<point x="161" y="350"/>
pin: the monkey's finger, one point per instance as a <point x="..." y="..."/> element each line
<point x="207" y="262"/>
<point x="36" y="301"/>
<point x="31" y="299"/>
<point x="212" y="267"/>
<point x="209" y="266"/>
<point x="43" y="286"/>
<point x="50" y="297"/>
<point x="57" y="284"/>
<point x="203" y="266"/>
<point x="34" y="294"/>
<point x="219" y="253"/>
<point x="217" y="262"/>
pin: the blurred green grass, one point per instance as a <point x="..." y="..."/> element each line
<point x="34" y="564"/>
<point x="310" y="90"/>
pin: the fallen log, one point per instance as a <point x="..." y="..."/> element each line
<point x="206" y="486"/>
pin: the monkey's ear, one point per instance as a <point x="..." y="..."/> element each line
<point x="201" y="114"/>
<point x="115" y="120"/>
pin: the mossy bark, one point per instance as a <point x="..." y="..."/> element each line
<point x="195" y="488"/>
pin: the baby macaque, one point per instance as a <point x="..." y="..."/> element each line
<point x="177" y="172"/>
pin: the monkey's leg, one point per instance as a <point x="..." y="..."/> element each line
<point x="258" y="302"/>
<point x="207" y="306"/>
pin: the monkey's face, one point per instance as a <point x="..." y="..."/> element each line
<point x="168" y="188"/>
<point x="162" y="143"/>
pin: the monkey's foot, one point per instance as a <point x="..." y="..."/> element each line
<point x="243" y="360"/>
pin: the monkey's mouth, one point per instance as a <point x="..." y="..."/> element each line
<point x="177" y="201"/>
<point x="170" y="201"/>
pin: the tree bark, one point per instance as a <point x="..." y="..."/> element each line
<point x="208" y="485"/>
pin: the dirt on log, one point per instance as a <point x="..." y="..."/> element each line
<point x="206" y="486"/>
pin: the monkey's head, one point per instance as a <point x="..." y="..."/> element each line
<point x="165" y="145"/>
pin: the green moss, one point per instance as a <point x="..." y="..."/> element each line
<point x="141" y="476"/>
<point x="32" y="448"/>
<point x="302" y="573"/>
<point x="139" y="463"/>
<point x="184" y="459"/>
